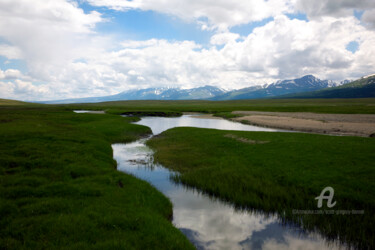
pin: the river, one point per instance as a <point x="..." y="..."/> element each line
<point x="207" y="222"/>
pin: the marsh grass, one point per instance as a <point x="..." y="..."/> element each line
<point x="343" y="106"/>
<point x="59" y="187"/>
<point x="282" y="175"/>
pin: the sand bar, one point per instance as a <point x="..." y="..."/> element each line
<point x="337" y="124"/>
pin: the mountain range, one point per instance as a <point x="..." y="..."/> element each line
<point x="163" y="93"/>
<point x="361" y="88"/>
<point x="308" y="85"/>
<point x="303" y="84"/>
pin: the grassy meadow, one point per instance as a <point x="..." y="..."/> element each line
<point x="59" y="187"/>
<point x="343" y="106"/>
<point x="279" y="172"/>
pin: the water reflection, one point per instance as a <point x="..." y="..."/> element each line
<point x="210" y="223"/>
<point x="160" y="124"/>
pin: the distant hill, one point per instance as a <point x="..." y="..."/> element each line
<point x="205" y="92"/>
<point x="303" y="84"/>
<point x="361" y="88"/>
<point x="4" y="102"/>
<point x="170" y="93"/>
<point x="238" y="94"/>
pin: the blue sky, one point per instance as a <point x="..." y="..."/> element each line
<point x="144" y="25"/>
<point x="54" y="49"/>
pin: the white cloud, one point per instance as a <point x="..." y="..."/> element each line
<point x="48" y="35"/>
<point x="283" y="48"/>
<point x="369" y="18"/>
<point x="333" y="8"/>
<point x="10" y="52"/>
<point x="7" y="90"/>
<point x="220" y="14"/>
<point x="27" y="88"/>
<point x="224" y="38"/>
<point x="294" y="243"/>
<point x="294" y="47"/>
<point x="43" y="31"/>
<point x="139" y="44"/>
<point x="10" y="74"/>
<point x="22" y="90"/>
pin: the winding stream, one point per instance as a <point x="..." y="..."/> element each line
<point x="207" y="222"/>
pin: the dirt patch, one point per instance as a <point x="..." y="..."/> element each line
<point x="96" y="112"/>
<point x="245" y="140"/>
<point x="206" y="116"/>
<point x="89" y="111"/>
<point x="337" y="124"/>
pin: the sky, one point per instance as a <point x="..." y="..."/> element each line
<point x="56" y="49"/>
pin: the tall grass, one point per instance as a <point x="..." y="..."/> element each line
<point x="59" y="187"/>
<point x="280" y="172"/>
<point x="345" y="106"/>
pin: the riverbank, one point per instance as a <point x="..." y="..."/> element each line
<point x="335" y="124"/>
<point x="59" y="187"/>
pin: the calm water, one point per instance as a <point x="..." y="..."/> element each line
<point x="210" y="223"/>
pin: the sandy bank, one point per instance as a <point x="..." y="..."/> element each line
<point x="89" y="111"/>
<point x="337" y="124"/>
<point x="206" y="116"/>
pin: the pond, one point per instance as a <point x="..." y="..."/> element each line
<point x="207" y="222"/>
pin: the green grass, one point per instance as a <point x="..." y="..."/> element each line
<point x="279" y="172"/>
<point x="7" y="102"/>
<point x="172" y="108"/>
<point x="344" y="106"/>
<point x="59" y="187"/>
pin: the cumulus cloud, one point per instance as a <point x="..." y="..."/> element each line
<point x="224" y="38"/>
<point x="10" y="52"/>
<point x="287" y="47"/>
<point x="22" y="90"/>
<point x="220" y="14"/>
<point x="283" y="48"/>
<point x="41" y="31"/>
<point x="47" y="35"/>
<point x="10" y="74"/>
<point x="369" y="18"/>
<point x="333" y="8"/>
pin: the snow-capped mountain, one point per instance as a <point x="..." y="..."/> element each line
<point x="360" y="88"/>
<point x="298" y="85"/>
<point x="170" y="93"/>
<point x="303" y="84"/>
<point x="164" y="93"/>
